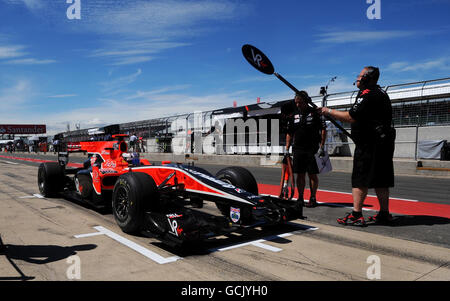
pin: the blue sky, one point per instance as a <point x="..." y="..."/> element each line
<point x="135" y="60"/>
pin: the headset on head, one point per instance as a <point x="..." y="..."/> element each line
<point x="372" y="74"/>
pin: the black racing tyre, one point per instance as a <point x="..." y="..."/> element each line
<point x="133" y="194"/>
<point x="50" y="179"/>
<point x="239" y="177"/>
<point x="83" y="184"/>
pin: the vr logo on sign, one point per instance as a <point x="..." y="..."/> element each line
<point x="257" y="58"/>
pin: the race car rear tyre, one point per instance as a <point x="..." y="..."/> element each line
<point x="84" y="186"/>
<point x="83" y="183"/>
<point x="239" y="177"/>
<point x="132" y="196"/>
<point x="50" y="179"/>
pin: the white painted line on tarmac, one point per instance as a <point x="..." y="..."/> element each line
<point x="307" y="201"/>
<point x="260" y="243"/>
<point x="257" y="243"/>
<point x="266" y="247"/>
<point x="136" y="247"/>
<point x="369" y="195"/>
<point x="13" y="163"/>
<point x="349" y="193"/>
<point x="36" y="195"/>
<point x="337" y="204"/>
<point x="89" y="235"/>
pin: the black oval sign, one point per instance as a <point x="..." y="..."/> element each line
<point x="257" y="59"/>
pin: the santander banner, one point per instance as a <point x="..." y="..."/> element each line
<point x="22" y="129"/>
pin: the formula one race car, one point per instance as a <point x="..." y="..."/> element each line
<point x="166" y="200"/>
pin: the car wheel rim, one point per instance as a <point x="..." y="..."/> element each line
<point x="122" y="203"/>
<point x="226" y="181"/>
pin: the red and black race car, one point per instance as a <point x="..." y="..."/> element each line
<point x="166" y="199"/>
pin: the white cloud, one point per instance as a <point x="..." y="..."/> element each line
<point x="30" y="4"/>
<point x="339" y="37"/>
<point x="160" y="19"/>
<point x="11" y="51"/>
<point x="159" y="103"/>
<point x="15" y="100"/>
<point x="397" y="66"/>
<point x="433" y="64"/>
<point x="118" y="83"/>
<point x="15" y="55"/>
<point x="136" y="51"/>
<point x="30" y="61"/>
<point x="143" y="29"/>
<point x="134" y="32"/>
<point x="131" y="60"/>
<point x="33" y="4"/>
<point x="149" y="94"/>
<point x="63" y="96"/>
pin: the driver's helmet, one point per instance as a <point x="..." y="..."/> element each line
<point x="132" y="158"/>
<point x="135" y="159"/>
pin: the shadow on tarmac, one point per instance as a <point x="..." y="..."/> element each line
<point x="418" y="220"/>
<point x="208" y="246"/>
<point x="38" y="254"/>
<point x="44" y="254"/>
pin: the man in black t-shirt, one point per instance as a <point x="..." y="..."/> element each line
<point x="374" y="137"/>
<point x="306" y="133"/>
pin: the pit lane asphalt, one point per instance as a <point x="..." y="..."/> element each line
<point x="307" y="259"/>
<point x="428" y="229"/>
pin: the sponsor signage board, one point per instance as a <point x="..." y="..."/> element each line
<point x="23" y="129"/>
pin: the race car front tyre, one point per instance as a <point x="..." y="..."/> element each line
<point x="239" y="177"/>
<point x="132" y="195"/>
<point x="50" y="179"/>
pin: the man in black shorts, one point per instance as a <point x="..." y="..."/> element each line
<point x="374" y="137"/>
<point x="307" y="134"/>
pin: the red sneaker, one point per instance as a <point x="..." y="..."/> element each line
<point x="349" y="219"/>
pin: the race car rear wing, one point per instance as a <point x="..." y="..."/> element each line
<point x="107" y="149"/>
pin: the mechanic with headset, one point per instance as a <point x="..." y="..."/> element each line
<point x="374" y="137"/>
<point x="306" y="131"/>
